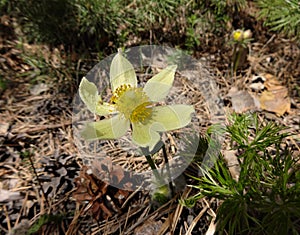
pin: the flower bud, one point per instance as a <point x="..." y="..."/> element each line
<point x="247" y="34"/>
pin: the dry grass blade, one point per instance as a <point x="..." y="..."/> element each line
<point x="35" y="128"/>
<point x="176" y="216"/>
<point x="212" y="226"/>
<point x="195" y="221"/>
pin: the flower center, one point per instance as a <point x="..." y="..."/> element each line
<point x="132" y="102"/>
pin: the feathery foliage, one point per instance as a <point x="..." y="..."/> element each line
<point x="281" y="15"/>
<point x="266" y="196"/>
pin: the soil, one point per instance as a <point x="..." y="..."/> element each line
<point x="46" y="188"/>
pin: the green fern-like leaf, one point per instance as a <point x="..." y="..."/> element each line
<point x="281" y="15"/>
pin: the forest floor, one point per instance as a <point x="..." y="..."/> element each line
<point x="42" y="171"/>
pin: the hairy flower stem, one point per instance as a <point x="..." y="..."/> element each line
<point x="237" y="57"/>
<point x="153" y="166"/>
<point x="154" y="169"/>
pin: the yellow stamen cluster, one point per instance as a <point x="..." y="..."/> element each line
<point x="141" y="113"/>
<point x="133" y="103"/>
<point x="118" y="92"/>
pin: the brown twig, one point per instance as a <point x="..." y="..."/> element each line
<point x="38" y="179"/>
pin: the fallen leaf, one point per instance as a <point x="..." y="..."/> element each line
<point x="39" y="88"/>
<point x="242" y="101"/>
<point x="257" y="86"/>
<point x="275" y="96"/>
<point x="271" y="83"/>
<point x="103" y="199"/>
<point x="232" y="163"/>
<point x="149" y="227"/>
<point x="8" y="196"/>
<point x="257" y="83"/>
<point x="276" y="101"/>
<point x="4" y="126"/>
<point x="20" y="228"/>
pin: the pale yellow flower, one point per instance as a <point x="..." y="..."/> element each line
<point x="133" y="107"/>
<point x="240" y="35"/>
<point x="237" y="35"/>
<point x="247" y="34"/>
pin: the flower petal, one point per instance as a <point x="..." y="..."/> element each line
<point x="121" y="72"/>
<point x="88" y="93"/>
<point x="172" y="117"/>
<point x="158" y="87"/>
<point x="145" y="135"/>
<point x="165" y="118"/>
<point x="111" y="128"/>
